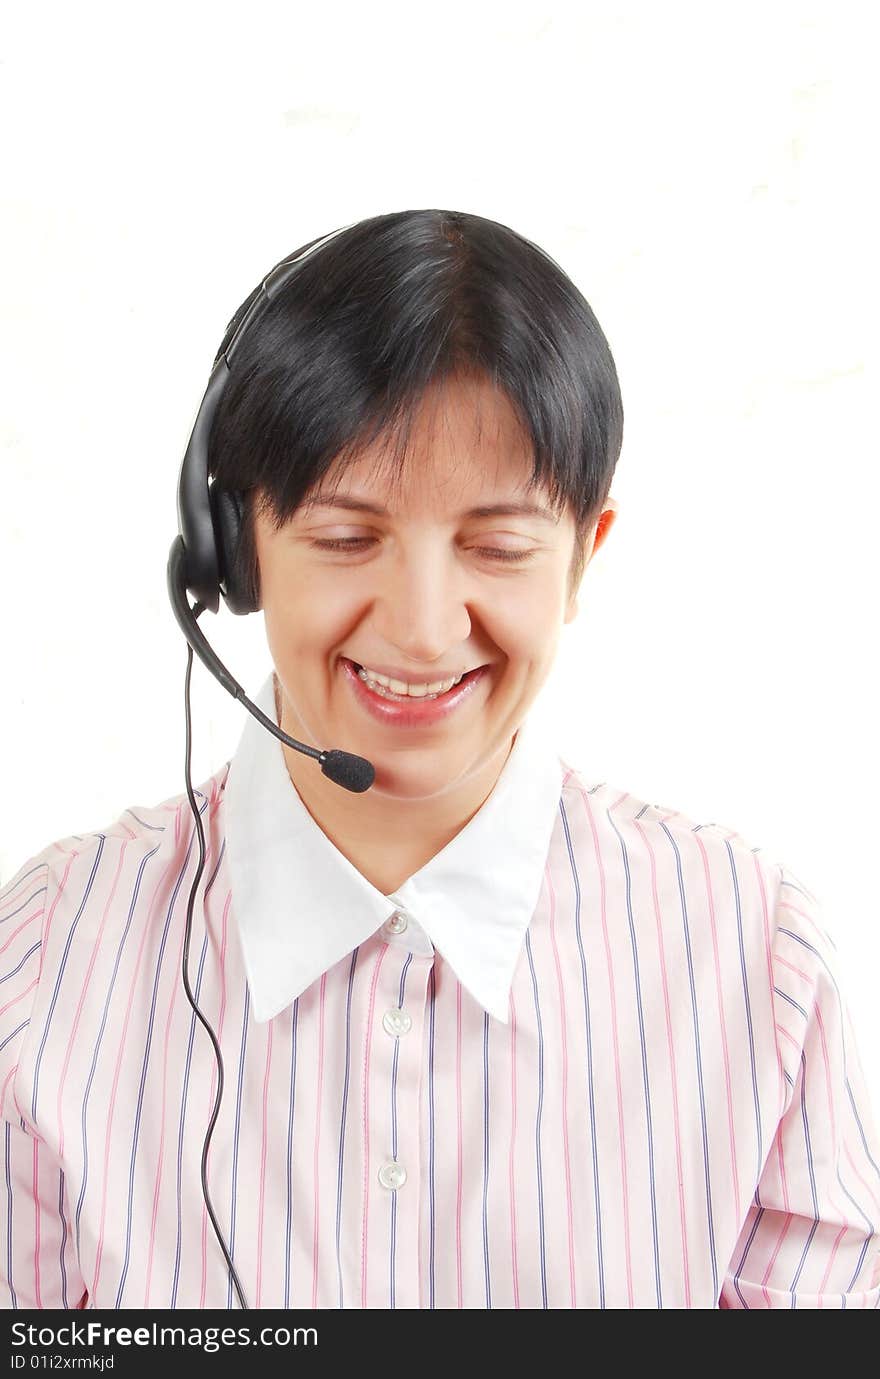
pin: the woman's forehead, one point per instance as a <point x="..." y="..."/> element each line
<point x="437" y="484"/>
<point x="455" y="466"/>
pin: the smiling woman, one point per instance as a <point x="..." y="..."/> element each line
<point x="423" y="425"/>
<point x="345" y="354"/>
<point x="419" y="631"/>
<point x="496" y="1035"/>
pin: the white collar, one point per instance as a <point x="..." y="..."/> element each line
<point x="301" y="906"/>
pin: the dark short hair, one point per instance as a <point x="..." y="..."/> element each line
<point x="344" y="352"/>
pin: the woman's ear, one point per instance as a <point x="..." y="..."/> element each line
<point x="605" y="522"/>
<point x="607" y="518"/>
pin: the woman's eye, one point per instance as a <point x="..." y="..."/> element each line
<point x="499" y="554"/>
<point x="354" y="543"/>
<point x="343" y="543"/>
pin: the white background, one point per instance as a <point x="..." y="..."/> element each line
<point x="704" y="173"/>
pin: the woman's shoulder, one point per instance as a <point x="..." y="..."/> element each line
<point x="628" y="813"/>
<point x="138" y="829"/>
<point x="59" y="896"/>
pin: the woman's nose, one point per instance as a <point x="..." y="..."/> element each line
<point x="423" y="607"/>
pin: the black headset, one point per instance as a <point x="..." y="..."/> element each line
<point x="203" y="561"/>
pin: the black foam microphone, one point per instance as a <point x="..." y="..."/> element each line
<point x="350" y="771"/>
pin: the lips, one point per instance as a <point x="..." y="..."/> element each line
<point x="411" y="712"/>
<point x="414" y="679"/>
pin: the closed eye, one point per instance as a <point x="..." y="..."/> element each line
<point x="355" y="543"/>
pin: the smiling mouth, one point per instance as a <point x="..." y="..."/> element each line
<point x="385" y="692"/>
<point x="411" y="711"/>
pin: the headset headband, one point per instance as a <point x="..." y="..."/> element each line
<point x="194" y="514"/>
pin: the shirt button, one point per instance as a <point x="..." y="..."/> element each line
<point x="397" y="923"/>
<point x="397" y="1022"/>
<point x="392" y="1175"/>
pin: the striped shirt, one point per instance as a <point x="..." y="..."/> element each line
<point x="593" y="1054"/>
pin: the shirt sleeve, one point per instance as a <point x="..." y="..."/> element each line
<point x="810" y="1237"/>
<point x="38" y="1259"/>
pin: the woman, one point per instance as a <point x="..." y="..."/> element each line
<point x="495" y="1035"/>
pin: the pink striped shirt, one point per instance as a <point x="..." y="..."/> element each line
<point x="593" y="1054"/>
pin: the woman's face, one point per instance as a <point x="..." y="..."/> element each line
<point x="426" y="587"/>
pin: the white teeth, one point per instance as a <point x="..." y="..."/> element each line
<point x="400" y="689"/>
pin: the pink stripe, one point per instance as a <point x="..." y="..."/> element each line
<point x="799" y="971"/>
<point x="719" y="993"/>
<point x="869" y="1191"/>
<point x="768" y="968"/>
<point x="802" y="914"/>
<point x="514" y="1260"/>
<point x="9" y="1077"/>
<point x="316" y="1162"/>
<point x="176" y="986"/>
<point x="828" y="1267"/>
<point x="37" y="1212"/>
<point x="829" y="1096"/>
<point x="20" y="997"/>
<point x="563" y="1028"/>
<point x="71" y="858"/>
<point x="263" y="1155"/>
<point x="72" y="1041"/>
<point x="832" y="1118"/>
<point x="459" y="1145"/>
<point x="134" y="987"/>
<point x="9" y="897"/>
<point x="218" y="1033"/>
<point x="783" y="1178"/>
<point x="24" y="924"/>
<point x="768" y="1272"/>
<point x="367" y="1046"/>
<point x="621" y="1121"/>
<point x="670" y="1045"/>
<point x="790" y="1037"/>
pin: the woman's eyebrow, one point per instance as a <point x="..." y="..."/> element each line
<point x="507" y="509"/>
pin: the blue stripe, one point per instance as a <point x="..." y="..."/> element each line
<point x="809" y="1156"/>
<point x="24" y="904"/>
<point x="431" y="1200"/>
<point x="695" y="1013"/>
<point x="60" y="976"/>
<point x="340" y="1158"/>
<point x="10" y="1273"/>
<point x="288" y="1234"/>
<point x="153" y="828"/>
<point x="236" y="1141"/>
<point x="393" y="1243"/>
<point x="487" y="1278"/>
<point x="759" y="1132"/>
<point x="791" y="1001"/>
<point x="842" y="1007"/>
<point x="62" y="1214"/>
<point x="97" y="1049"/>
<point x="644" y="1048"/>
<point x="16" y="881"/>
<point x="16" y="970"/>
<point x="184" y="1100"/>
<point x="18" y="1029"/>
<point x="538" y="1164"/>
<point x="146" y="1059"/>
<point x="600" y="1260"/>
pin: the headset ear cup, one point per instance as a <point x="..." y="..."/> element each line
<point x="227" y="510"/>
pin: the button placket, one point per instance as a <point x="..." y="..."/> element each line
<point x="397" y="923"/>
<point x="392" y="1175"/>
<point x="393" y="1132"/>
<point x="397" y="1022"/>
